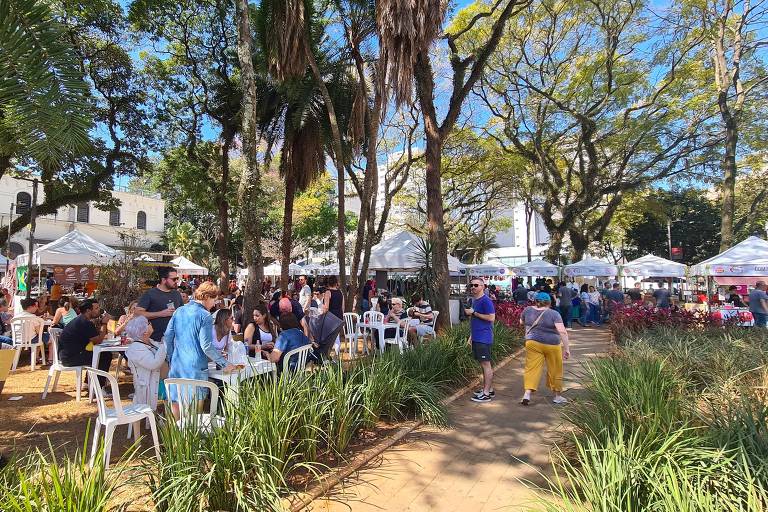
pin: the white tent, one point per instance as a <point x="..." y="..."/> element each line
<point x="590" y="267"/>
<point x="745" y="259"/>
<point x="402" y="253"/>
<point x="653" y="266"/>
<point x="74" y="248"/>
<point x="330" y="270"/>
<point x="536" y="268"/>
<point x="188" y="268"/>
<point x="489" y="268"/>
<point x="273" y="269"/>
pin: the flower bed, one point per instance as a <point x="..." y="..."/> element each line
<point x="635" y="318"/>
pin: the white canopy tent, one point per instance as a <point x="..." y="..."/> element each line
<point x="536" y="268"/>
<point x="402" y="253"/>
<point x="745" y="259"/>
<point x="653" y="266"/>
<point x="188" y="268"/>
<point x="489" y="268"/>
<point x="330" y="270"/>
<point x="74" y="248"/>
<point x="590" y="267"/>
<point x="273" y="269"/>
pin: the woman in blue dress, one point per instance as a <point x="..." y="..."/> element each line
<point x="189" y="342"/>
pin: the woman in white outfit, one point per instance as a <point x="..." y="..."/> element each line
<point x="147" y="362"/>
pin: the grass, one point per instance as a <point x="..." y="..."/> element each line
<point x="276" y="431"/>
<point x="675" y="422"/>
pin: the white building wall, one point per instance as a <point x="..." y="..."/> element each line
<point x="51" y="227"/>
<point x="512" y="247"/>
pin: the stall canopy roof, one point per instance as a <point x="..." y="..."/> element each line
<point x="653" y="266"/>
<point x="402" y="253"/>
<point x="536" y="268"/>
<point x="747" y="258"/>
<point x="591" y="267"/>
<point x="74" y="248"/>
<point x="188" y="268"/>
<point x="489" y="268"/>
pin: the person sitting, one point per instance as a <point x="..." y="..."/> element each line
<point x="5" y="324"/>
<point x="65" y="313"/>
<point x="421" y="311"/>
<point x="89" y="328"/>
<point x="42" y="306"/>
<point x="131" y="321"/>
<point x="291" y="337"/>
<point x="147" y="360"/>
<point x="396" y="315"/>
<point x="29" y="314"/>
<point x="260" y="334"/>
<point x="285" y="306"/>
<point x="222" y="329"/>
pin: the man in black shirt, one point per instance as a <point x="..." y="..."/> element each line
<point x="521" y="294"/>
<point x="90" y="326"/>
<point x="636" y="294"/>
<point x="158" y="303"/>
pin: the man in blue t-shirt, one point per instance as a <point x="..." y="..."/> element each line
<point x="482" y="314"/>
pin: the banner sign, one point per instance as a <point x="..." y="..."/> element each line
<point x="738" y="270"/>
<point x="595" y="270"/>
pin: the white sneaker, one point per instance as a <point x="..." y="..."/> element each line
<point x="560" y="400"/>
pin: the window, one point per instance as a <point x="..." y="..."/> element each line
<point x="23" y="203"/>
<point x="82" y="212"/>
<point x="16" y="249"/>
<point x="114" y="217"/>
<point x="141" y="220"/>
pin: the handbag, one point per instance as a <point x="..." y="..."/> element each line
<point x="534" y="324"/>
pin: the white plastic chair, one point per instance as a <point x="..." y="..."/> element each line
<point x="371" y="317"/>
<point x="302" y="354"/>
<point x="57" y="367"/>
<point x="22" y="331"/>
<point x="186" y="390"/>
<point x="112" y="417"/>
<point x="352" y="333"/>
<point x="401" y="336"/>
<point x="434" y="324"/>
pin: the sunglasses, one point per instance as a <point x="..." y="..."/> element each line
<point x="475" y="285"/>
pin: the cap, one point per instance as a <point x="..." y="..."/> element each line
<point x="542" y="297"/>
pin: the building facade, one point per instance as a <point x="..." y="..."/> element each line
<point x="141" y="216"/>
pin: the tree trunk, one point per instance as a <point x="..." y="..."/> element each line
<point x="579" y="244"/>
<point x="249" y="193"/>
<point x="555" y="246"/>
<point x="528" y="218"/>
<point x="286" y="242"/>
<point x="425" y="86"/>
<point x="222" y="237"/>
<point x="341" y="168"/>
<point x="728" y="190"/>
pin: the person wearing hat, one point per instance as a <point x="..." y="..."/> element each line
<point x="546" y="340"/>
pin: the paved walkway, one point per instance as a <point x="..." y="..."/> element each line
<point x="481" y="461"/>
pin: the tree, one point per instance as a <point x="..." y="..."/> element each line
<point x="574" y="93"/>
<point x="250" y="196"/>
<point x="120" y="137"/>
<point x="691" y="215"/>
<point x="192" y="69"/>
<point x="185" y="240"/>
<point x="733" y="32"/>
<point x="45" y="113"/>
<point x="406" y="33"/>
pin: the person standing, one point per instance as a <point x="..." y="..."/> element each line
<point x="482" y="314"/>
<point x="546" y="340"/>
<point x="189" y="342"/>
<point x="520" y="294"/>
<point x="158" y="303"/>
<point x="635" y="293"/>
<point x="758" y="304"/>
<point x="662" y="297"/>
<point x="565" y="293"/>
<point x="305" y="293"/>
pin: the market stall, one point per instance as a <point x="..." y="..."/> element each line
<point x="536" y="268"/>
<point x="653" y="266"/>
<point x="490" y="268"/>
<point x="590" y="267"/>
<point x="186" y="267"/>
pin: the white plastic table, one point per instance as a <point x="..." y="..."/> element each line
<point x="232" y="380"/>
<point x="97" y="350"/>
<point x="379" y="327"/>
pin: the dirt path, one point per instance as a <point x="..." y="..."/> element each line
<point x="481" y="461"/>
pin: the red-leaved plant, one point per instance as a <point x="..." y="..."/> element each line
<point x="635" y="317"/>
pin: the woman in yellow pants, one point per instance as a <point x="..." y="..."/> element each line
<point x="546" y="340"/>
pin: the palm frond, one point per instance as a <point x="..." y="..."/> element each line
<point x="44" y="107"/>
